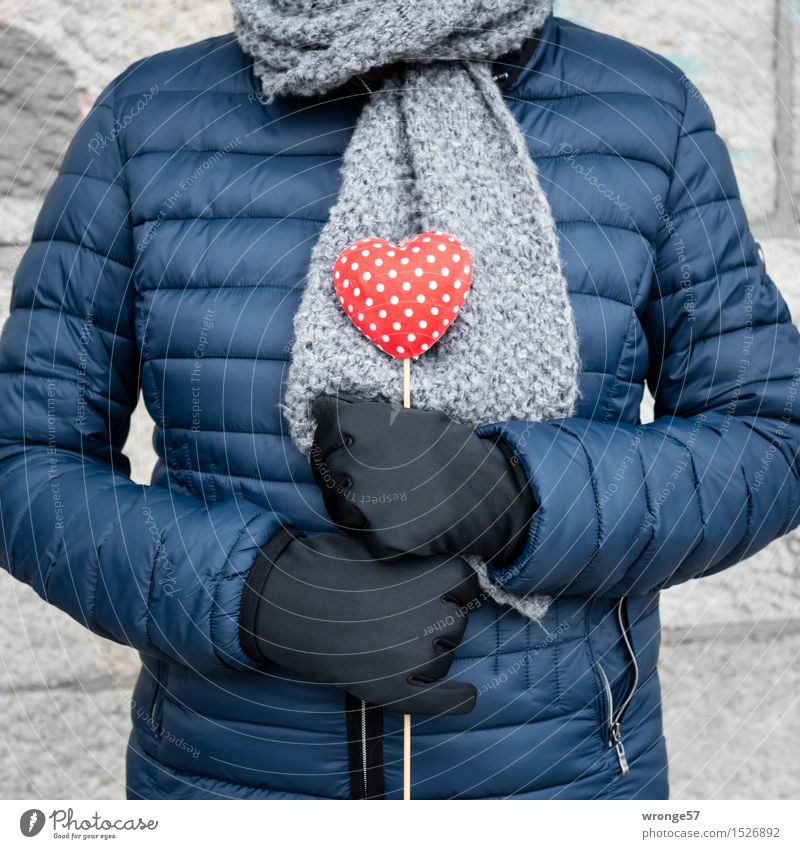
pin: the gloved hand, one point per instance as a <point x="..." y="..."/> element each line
<point x="324" y="607"/>
<point x="414" y="481"/>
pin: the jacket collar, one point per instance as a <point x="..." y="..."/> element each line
<point x="508" y="68"/>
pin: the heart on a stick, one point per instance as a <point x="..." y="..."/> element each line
<point x="403" y="297"/>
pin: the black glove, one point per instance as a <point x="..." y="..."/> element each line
<point x="324" y="607"/>
<point x="414" y="481"/>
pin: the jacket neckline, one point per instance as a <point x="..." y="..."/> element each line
<point x="509" y="68"/>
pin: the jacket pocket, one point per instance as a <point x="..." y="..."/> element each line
<point x="155" y="713"/>
<point x="613" y="711"/>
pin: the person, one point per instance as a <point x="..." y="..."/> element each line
<point x="311" y="560"/>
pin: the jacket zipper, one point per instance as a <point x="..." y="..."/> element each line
<point x="615" y="717"/>
<point x="364" y="727"/>
<point x="364" y="747"/>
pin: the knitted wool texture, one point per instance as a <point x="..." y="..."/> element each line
<point x="435" y="148"/>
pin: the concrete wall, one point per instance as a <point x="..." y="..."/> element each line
<point x="731" y="642"/>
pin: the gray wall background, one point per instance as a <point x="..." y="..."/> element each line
<point x="730" y="658"/>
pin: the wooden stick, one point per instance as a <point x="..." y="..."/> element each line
<point x="407" y="716"/>
<point x="406" y="757"/>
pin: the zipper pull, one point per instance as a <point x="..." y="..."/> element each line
<point x="762" y="257"/>
<point x="616" y="742"/>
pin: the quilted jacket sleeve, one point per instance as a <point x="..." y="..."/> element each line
<point x="154" y="570"/>
<point x="631" y="509"/>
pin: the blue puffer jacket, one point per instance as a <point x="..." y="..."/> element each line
<point x="169" y="257"/>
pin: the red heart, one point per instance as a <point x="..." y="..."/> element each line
<point x="403" y="297"/>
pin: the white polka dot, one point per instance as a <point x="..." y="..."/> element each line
<point x="456" y="257"/>
<point x="406" y="286"/>
<point x="435" y="334"/>
<point x="401" y="349"/>
<point x="396" y="325"/>
<point x="385" y="338"/>
<point x="382" y="313"/>
<point x="411" y="337"/>
<point x="446" y="322"/>
<point x="416" y="250"/>
<point x="430" y="258"/>
<point x="346" y="283"/>
<point x="373" y="327"/>
<point x="389" y="253"/>
<point x="427" y="239"/>
<point x="445" y="272"/>
<point x="418" y="272"/>
<point x="364" y="253"/>
<point x="356" y="292"/>
<point x="379" y="262"/>
<point x="394" y="299"/>
<point x="451" y="239"/>
<point x="421" y="299"/>
<point x="442" y="248"/>
<point x="424" y="347"/>
<point x="433" y="284"/>
<point x="341" y="299"/>
<point x="349" y="307"/>
<point x="408" y="313"/>
<point x="369" y="302"/>
<point x="354" y="266"/>
<point x="466" y="269"/>
<point x="360" y="316"/>
<point x="352" y="247"/>
<point x="366" y="276"/>
<point x="405" y="261"/>
<point x="446" y="298"/>
<point x="380" y="287"/>
<point x="392" y="273"/>
<point x="456" y="284"/>
<point x="377" y="245"/>
<point x="455" y="308"/>
<point x="434" y="310"/>
<point x="336" y="275"/>
<point x="423" y="325"/>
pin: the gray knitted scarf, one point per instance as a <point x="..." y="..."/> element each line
<point x="434" y="148"/>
